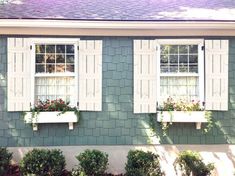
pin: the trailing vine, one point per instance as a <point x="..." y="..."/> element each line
<point x="208" y="116"/>
<point x="165" y="126"/>
<point x="51" y="106"/>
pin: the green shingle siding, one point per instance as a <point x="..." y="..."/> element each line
<point x="116" y="124"/>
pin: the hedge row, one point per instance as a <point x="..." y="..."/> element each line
<point x="45" y="162"/>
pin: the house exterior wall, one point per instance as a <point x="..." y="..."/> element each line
<point x="115" y="124"/>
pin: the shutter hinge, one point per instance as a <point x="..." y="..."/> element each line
<point x="203" y="47"/>
<point x="78" y="47"/>
<point x="156" y="48"/>
<point x="30" y="47"/>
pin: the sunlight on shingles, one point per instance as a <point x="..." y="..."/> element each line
<point x="152" y="137"/>
<point x="202" y="13"/>
<point x="2" y="77"/>
<point x="221" y="161"/>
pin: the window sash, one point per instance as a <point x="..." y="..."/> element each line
<point x="200" y="74"/>
<point x="54" y="41"/>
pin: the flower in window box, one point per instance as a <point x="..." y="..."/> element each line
<point x="52" y="111"/>
<point x="182" y="111"/>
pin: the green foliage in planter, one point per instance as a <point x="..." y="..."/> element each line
<point x="5" y="158"/>
<point x="43" y="162"/>
<point x="190" y="162"/>
<point x="53" y="105"/>
<point x="181" y="105"/>
<point x="93" y="162"/>
<point x="140" y="163"/>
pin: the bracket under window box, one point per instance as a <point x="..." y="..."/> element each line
<point x="197" y="117"/>
<point x="51" y="117"/>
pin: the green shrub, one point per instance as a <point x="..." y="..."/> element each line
<point x="140" y="163"/>
<point x="93" y="162"/>
<point x="5" y="158"/>
<point x="190" y="162"/>
<point x="43" y="162"/>
<point x="77" y="172"/>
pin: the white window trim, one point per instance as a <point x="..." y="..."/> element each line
<point x="201" y="70"/>
<point x="65" y="41"/>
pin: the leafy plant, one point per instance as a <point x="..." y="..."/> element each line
<point x="5" y="158"/>
<point x="53" y="105"/>
<point x="140" y="163"/>
<point x="43" y="162"/>
<point x="93" y="162"/>
<point x="77" y="172"/>
<point x="190" y="162"/>
<point x="181" y="105"/>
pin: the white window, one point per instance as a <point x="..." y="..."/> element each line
<point x="181" y="70"/>
<point x="52" y="68"/>
<point x="55" y="70"/>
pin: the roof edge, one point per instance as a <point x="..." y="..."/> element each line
<point x="130" y="25"/>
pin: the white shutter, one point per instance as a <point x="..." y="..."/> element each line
<point x="145" y="76"/>
<point x="90" y="75"/>
<point x="216" y="69"/>
<point x="19" y="74"/>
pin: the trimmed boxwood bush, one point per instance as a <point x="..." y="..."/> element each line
<point x="93" y="162"/>
<point x="190" y="163"/>
<point x="43" y="162"/>
<point x="5" y="158"/>
<point x="140" y="163"/>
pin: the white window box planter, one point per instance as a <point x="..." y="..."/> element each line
<point x="51" y="117"/>
<point x="197" y="117"/>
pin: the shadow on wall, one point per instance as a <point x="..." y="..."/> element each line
<point x="186" y="133"/>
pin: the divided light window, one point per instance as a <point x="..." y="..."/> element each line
<point x="55" y="72"/>
<point x="181" y="70"/>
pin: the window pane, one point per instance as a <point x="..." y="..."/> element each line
<point x="60" y="48"/>
<point x="173" y="63"/>
<point x="185" y="88"/>
<point x="193" y="49"/>
<point x="193" y="68"/>
<point x="69" y="48"/>
<point x="50" y="68"/>
<point x="60" y="58"/>
<point x="40" y="49"/>
<point x="40" y="58"/>
<point x="50" y="58"/>
<point x="183" y="49"/>
<point x="183" y="59"/>
<point x="173" y="58"/>
<point x="55" y="87"/>
<point x="50" y="48"/>
<point x="164" y="49"/>
<point x="173" y="49"/>
<point x="70" y="68"/>
<point x="164" y="68"/>
<point x="183" y="67"/>
<point x="40" y="68"/>
<point x="193" y="59"/>
<point x="174" y="68"/>
<point x="70" y="58"/>
<point x="60" y="67"/>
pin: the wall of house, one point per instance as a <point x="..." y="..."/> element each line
<point x="116" y="124"/>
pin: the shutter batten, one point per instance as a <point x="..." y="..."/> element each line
<point x="90" y="75"/>
<point x="145" y="76"/>
<point x="19" y="74"/>
<point x="216" y="61"/>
